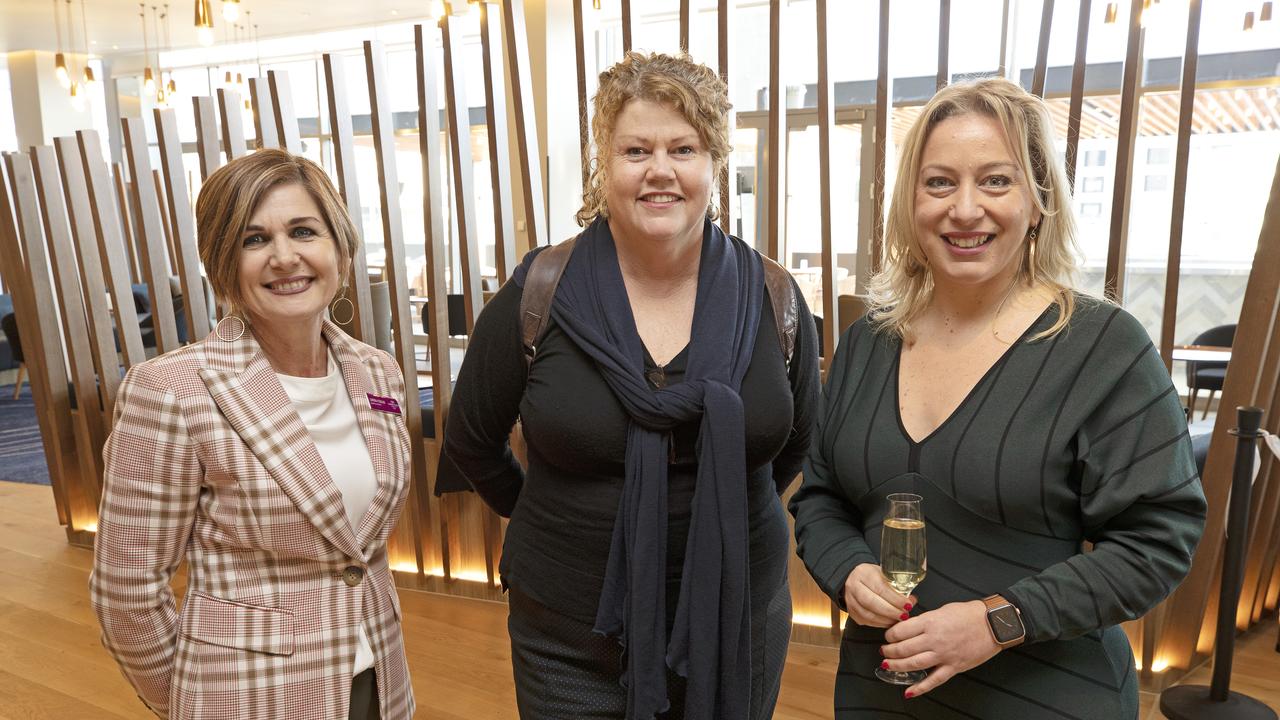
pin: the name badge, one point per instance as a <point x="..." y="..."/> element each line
<point x="384" y="404"/>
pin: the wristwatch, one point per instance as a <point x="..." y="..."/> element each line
<point x="1005" y="620"/>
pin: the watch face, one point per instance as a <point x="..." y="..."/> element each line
<point x="1006" y="624"/>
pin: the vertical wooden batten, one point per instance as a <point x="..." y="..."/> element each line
<point x="286" y="121"/>
<point x="826" y="125"/>
<point x="944" y="43"/>
<point x="1042" y="49"/>
<point x="882" y="129"/>
<point x="434" y="201"/>
<point x="344" y="162"/>
<point x="684" y="25"/>
<point x="495" y="107"/>
<point x="584" y="123"/>
<point x="464" y="211"/>
<point x="183" y="224"/>
<point x="207" y="150"/>
<point x="22" y="253"/>
<point x="111" y="247"/>
<point x="90" y="432"/>
<point x="724" y="19"/>
<point x="151" y="244"/>
<point x="401" y="322"/>
<point x="1076" y="104"/>
<point x="121" y="189"/>
<point x="776" y="143"/>
<point x="166" y="223"/>
<point x="233" y="141"/>
<point x="1117" y="249"/>
<point x="516" y="39"/>
<point x="102" y="341"/>
<point x="263" y="113"/>
<point x="626" y="26"/>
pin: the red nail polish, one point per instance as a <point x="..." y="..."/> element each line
<point x="907" y="607"/>
<point x="904" y="616"/>
<point x="908" y="694"/>
<point x="884" y="665"/>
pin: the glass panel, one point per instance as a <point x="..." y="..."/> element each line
<point x="744" y="183"/>
<point x="804" y="239"/>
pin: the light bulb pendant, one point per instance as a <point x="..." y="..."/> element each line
<point x="89" y="77"/>
<point x="173" y="86"/>
<point x="1112" y="10"/>
<point x="60" y="70"/>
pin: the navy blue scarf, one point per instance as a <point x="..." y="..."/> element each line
<point x="710" y="644"/>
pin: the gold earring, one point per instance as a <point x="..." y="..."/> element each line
<point x="230" y="320"/>
<point x="1031" y="255"/>
<point x="337" y="303"/>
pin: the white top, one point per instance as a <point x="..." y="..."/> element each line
<point x="326" y="410"/>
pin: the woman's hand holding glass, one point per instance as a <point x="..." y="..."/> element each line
<point x="950" y="640"/>
<point x="871" y="601"/>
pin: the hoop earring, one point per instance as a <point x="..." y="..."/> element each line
<point x="221" y="333"/>
<point x="1031" y="255"/>
<point x="337" y="303"/>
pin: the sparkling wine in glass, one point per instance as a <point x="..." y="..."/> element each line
<point x="903" y="561"/>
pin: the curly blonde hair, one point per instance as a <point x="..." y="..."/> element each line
<point x="691" y="89"/>
<point x="903" y="287"/>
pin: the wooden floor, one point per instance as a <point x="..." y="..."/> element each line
<point x="54" y="666"/>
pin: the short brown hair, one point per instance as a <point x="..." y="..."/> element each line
<point x="691" y="89"/>
<point x="232" y="194"/>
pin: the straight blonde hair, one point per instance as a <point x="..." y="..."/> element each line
<point x="231" y="195"/>
<point x="903" y="287"/>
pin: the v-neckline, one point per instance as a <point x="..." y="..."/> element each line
<point x="1004" y="356"/>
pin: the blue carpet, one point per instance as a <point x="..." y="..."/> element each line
<point x="21" y="448"/>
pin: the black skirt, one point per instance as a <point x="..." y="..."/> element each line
<point x="565" y="670"/>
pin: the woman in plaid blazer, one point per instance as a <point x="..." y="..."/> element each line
<point x="272" y="456"/>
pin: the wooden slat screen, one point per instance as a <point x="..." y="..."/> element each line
<point x="286" y="121"/>
<point x="184" y="229"/>
<point x="151" y="244"/>
<point x="516" y="37"/>
<point x="233" y="141"/>
<point x="263" y="113"/>
<point x="1117" y="250"/>
<point x="495" y="106"/>
<point x="207" y="148"/>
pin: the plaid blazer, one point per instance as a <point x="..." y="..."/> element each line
<point x="209" y="461"/>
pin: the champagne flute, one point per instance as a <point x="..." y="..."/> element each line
<point x="903" y="562"/>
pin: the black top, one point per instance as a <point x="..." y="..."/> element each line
<point x="1074" y="438"/>
<point x="563" y="509"/>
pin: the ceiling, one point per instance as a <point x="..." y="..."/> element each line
<point x="114" y="26"/>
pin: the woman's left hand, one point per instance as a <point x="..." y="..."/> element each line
<point x="946" y="641"/>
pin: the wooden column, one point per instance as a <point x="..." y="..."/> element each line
<point x="1042" y="49"/>
<point x="184" y="228"/>
<point x="233" y="142"/>
<point x="944" y="43"/>
<point x="207" y="149"/>
<point x="724" y="18"/>
<point x="111" y="247"/>
<point x="1117" y="249"/>
<point x="102" y="342"/>
<point x="1077" y="90"/>
<point x="516" y="38"/>
<point x="344" y="160"/>
<point x="151" y="244"/>
<point x="263" y="113"/>
<point x="626" y="26"/>
<point x="505" y="257"/>
<point x="826" y="125"/>
<point x="584" y="123"/>
<point x="286" y="121"/>
<point x="434" y="201"/>
<point x="776" y="144"/>
<point x="464" y="211"/>
<point x="883" y="130"/>
<point x="23" y="255"/>
<point x="401" y="322"/>
<point x="684" y="25"/>
<point x="82" y="493"/>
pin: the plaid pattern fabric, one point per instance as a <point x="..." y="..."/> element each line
<point x="209" y="461"/>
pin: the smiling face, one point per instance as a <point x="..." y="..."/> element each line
<point x="659" y="177"/>
<point x="289" y="262"/>
<point x="973" y="204"/>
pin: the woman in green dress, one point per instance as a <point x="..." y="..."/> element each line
<point x="1032" y="419"/>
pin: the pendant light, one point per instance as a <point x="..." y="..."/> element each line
<point x="88" y="77"/>
<point x="204" y="23"/>
<point x="231" y="10"/>
<point x="60" y="60"/>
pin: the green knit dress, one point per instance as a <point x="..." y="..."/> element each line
<point x="1073" y="438"/>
